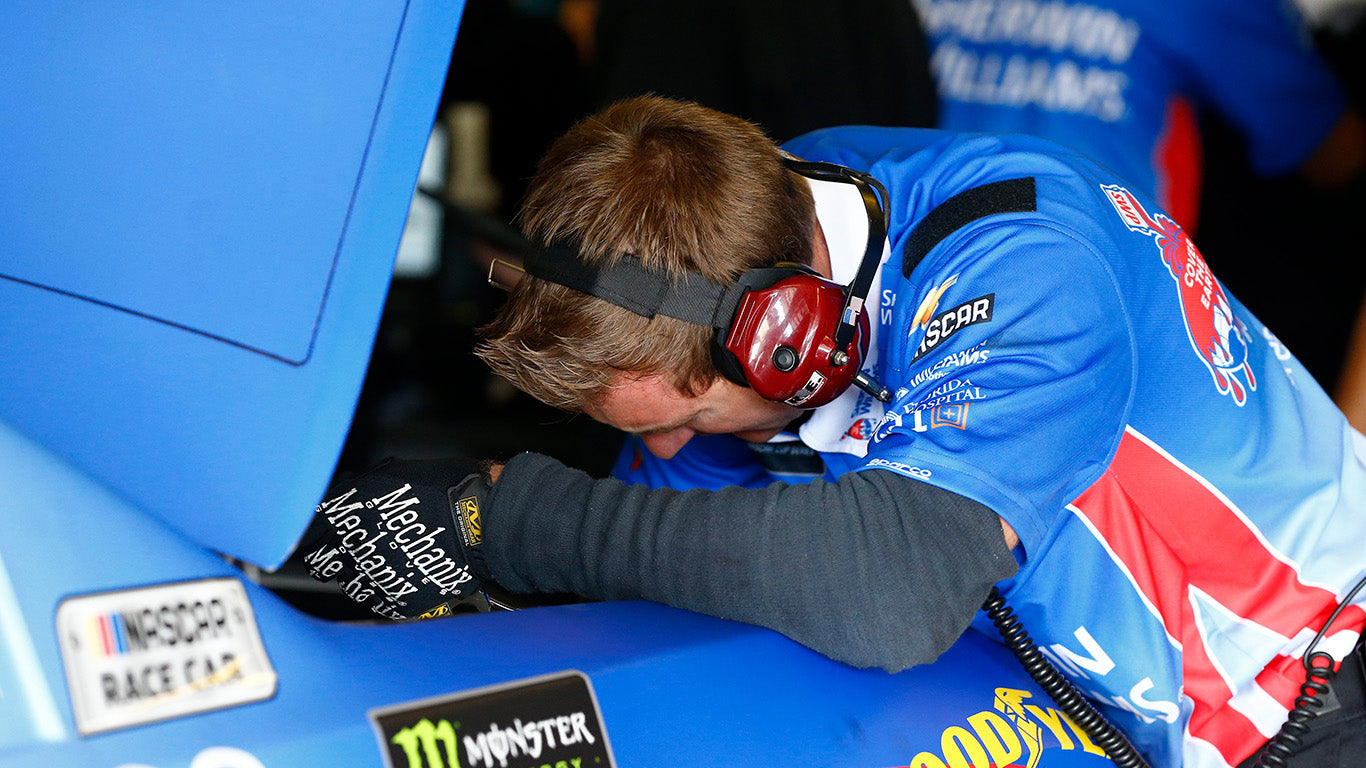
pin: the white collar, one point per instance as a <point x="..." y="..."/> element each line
<point x="844" y="221"/>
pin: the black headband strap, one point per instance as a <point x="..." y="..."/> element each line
<point x="693" y="298"/>
<point x="628" y="284"/>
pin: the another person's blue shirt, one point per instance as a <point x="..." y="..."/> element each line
<point x="1122" y="82"/>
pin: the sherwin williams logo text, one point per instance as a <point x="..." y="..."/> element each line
<point x="1068" y="58"/>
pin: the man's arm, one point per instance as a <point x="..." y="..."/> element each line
<point x="1341" y="156"/>
<point x="1350" y="394"/>
<point x="874" y="570"/>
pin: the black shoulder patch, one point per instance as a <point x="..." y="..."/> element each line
<point x="1008" y="196"/>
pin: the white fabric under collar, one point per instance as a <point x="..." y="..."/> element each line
<point x="839" y="427"/>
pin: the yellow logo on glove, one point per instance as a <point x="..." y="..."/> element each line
<point x="441" y="610"/>
<point x="469" y="520"/>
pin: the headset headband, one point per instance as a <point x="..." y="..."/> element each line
<point x="630" y="285"/>
<point x="813" y="369"/>
<point x="857" y="291"/>
<point x="695" y="299"/>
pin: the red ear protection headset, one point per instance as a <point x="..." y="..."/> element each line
<point x="790" y="334"/>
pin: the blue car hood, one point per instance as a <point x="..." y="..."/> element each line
<point x="202" y="209"/>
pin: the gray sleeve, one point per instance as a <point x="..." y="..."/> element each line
<point x="876" y="569"/>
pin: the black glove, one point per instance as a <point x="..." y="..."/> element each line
<point x="402" y="539"/>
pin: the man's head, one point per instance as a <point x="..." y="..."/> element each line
<point x="678" y="185"/>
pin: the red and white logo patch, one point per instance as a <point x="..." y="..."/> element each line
<point x="861" y="429"/>
<point x="1218" y="337"/>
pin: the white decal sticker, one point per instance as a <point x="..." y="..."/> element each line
<point x="813" y="385"/>
<point x="141" y="655"/>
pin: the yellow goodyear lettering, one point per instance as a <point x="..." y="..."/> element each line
<point x="1013" y="738"/>
<point x="429" y="745"/>
<point x="962" y="749"/>
<point x="1000" y="739"/>
<point x="1010" y="702"/>
<point x="1055" y="721"/>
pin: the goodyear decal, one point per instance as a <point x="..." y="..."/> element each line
<point x="552" y="720"/>
<point x="1012" y="734"/>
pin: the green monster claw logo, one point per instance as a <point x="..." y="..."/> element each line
<point x="428" y="744"/>
<point x="423" y="741"/>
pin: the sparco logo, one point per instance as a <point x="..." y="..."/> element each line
<point x="1218" y="337"/>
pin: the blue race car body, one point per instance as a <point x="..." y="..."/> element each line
<point x="203" y="204"/>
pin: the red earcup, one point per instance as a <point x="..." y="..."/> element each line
<point x="783" y="337"/>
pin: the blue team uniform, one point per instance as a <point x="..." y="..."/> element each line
<point x="1122" y="81"/>
<point x="1190" y="504"/>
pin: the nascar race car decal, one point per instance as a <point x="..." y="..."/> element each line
<point x="141" y="655"/>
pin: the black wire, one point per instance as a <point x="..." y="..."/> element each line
<point x="1318" y="668"/>
<point x="1058" y="687"/>
<point x="1346" y="601"/>
<point x="1318" y="679"/>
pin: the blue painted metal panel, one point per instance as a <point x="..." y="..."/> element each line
<point x="203" y="204"/>
<point x="674" y="687"/>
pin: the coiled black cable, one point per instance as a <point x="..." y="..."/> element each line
<point x="1318" y="676"/>
<point x="1058" y="687"/>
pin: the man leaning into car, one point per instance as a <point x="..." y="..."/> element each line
<point x="1047" y="392"/>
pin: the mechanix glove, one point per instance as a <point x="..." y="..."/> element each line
<point x="402" y="539"/>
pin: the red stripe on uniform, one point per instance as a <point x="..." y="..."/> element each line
<point x="1206" y="534"/>
<point x="1172" y="532"/>
<point x="1157" y="571"/>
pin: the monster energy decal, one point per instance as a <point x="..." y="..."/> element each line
<point x="546" y="721"/>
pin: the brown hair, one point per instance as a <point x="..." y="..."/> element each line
<point x="682" y="187"/>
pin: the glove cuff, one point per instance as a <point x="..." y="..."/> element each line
<point x="466" y="501"/>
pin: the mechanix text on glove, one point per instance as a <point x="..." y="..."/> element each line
<point x="394" y="546"/>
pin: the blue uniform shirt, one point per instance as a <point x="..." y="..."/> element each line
<point x="1190" y="503"/>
